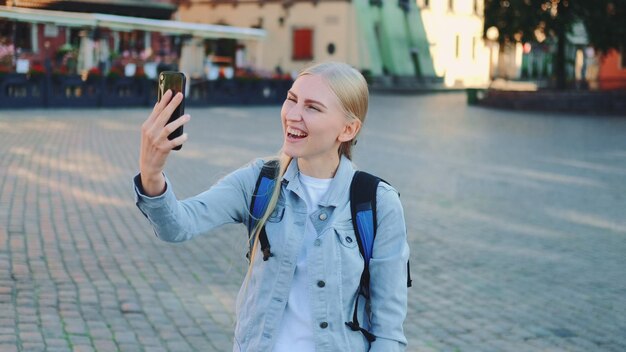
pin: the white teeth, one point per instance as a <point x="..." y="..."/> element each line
<point x="295" y="132"/>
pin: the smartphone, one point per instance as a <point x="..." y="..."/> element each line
<point x="176" y="82"/>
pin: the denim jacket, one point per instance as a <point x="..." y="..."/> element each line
<point x="335" y="262"/>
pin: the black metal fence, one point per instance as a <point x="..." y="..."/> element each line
<point x="23" y="91"/>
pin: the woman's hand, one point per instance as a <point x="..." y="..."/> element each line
<point x="155" y="147"/>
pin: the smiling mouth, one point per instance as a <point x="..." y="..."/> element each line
<point x="296" y="134"/>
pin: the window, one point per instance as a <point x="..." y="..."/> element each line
<point x="73" y="36"/>
<point x="133" y="42"/>
<point x="23" y="36"/>
<point x="302" y="44"/>
<point x="474" y="48"/>
<point x="404" y="5"/>
<point x="457" y="49"/>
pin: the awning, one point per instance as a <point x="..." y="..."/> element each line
<point x="125" y="23"/>
<point x="156" y="9"/>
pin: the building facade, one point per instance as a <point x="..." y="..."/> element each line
<point x="585" y="68"/>
<point x="57" y="57"/>
<point x="612" y="71"/>
<point x="297" y="32"/>
<point x="454" y="29"/>
<point x="427" y="42"/>
<point x="46" y="36"/>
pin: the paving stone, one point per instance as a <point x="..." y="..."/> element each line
<point x="515" y="222"/>
<point x="8" y="339"/>
<point x="57" y="349"/>
<point x="77" y="328"/>
<point x="104" y="345"/>
<point x="32" y="336"/>
<point x="83" y="348"/>
<point x="32" y="346"/>
<point x="125" y="337"/>
<point x="178" y="346"/>
<point x="7" y="330"/>
<point x="56" y="343"/>
<point x="8" y="347"/>
<point x="129" y="347"/>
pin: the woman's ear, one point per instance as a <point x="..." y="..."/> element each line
<point x="350" y="130"/>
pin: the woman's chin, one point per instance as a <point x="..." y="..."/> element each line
<point x="290" y="151"/>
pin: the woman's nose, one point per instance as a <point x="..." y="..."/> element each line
<point x="294" y="113"/>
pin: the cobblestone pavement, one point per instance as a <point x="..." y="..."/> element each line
<point x="516" y="221"/>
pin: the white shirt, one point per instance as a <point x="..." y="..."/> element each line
<point x="296" y="328"/>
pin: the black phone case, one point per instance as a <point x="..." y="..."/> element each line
<point x="176" y="82"/>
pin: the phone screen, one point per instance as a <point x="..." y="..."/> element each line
<point x="175" y="81"/>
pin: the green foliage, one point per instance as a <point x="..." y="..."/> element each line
<point x="367" y="74"/>
<point x="606" y="23"/>
<point x="64" y="51"/>
<point x="522" y="20"/>
<point x="536" y="20"/>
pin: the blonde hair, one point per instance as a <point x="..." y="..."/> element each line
<point x="350" y="87"/>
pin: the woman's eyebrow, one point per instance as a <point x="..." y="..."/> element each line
<point x="308" y="100"/>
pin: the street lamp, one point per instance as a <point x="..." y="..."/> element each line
<point x="492" y="36"/>
<point x="492" y="33"/>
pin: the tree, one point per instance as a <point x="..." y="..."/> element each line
<point x="531" y="20"/>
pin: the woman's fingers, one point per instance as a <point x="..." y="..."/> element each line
<point x="178" y="141"/>
<point x="156" y="138"/>
<point x="160" y="105"/>
<point x="153" y="127"/>
<point x="172" y="126"/>
<point x="165" y="114"/>
<point x="155" y="146"/>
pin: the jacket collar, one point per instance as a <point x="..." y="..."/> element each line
<point x="339" y="186"/>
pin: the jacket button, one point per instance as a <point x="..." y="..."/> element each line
<point x="323" y="325"/>
<point x="321" y="283"/>
<point x="348" y="239"/>
<point x="323" y="216"/>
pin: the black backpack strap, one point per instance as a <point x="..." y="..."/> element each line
<point x="259" y="202"/>
<point x="409" y="282"/>
<point x="363" y="208"/>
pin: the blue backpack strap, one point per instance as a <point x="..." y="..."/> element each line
<point x="363" y="208"/>
<point x="259" y="202"/>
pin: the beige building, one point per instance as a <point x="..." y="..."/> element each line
<point x="455" y="34"/>
<point x="297" y="32"/>
<point x="427" y="41"/>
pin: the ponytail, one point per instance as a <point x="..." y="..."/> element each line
<point x="283" y="163"/>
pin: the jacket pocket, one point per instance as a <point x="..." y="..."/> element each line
<point x="277" y="214"/>
<point x="346" y="237"/>
<point x="350" y="258"/>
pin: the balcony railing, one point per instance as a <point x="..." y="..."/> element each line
<point x="23" y="91"/>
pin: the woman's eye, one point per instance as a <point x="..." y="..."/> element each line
<point x="291" y="98"/>
<point x="314" y="108"/>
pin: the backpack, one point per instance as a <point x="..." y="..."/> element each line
<point x="363" y="208"/>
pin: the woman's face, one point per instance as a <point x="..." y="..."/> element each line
<point x="314" y="124"/>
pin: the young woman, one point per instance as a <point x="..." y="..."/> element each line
<point x="302" y="296"/>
